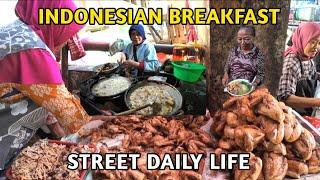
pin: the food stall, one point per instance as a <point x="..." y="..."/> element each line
<point x="164" y="113"/>
<point x="280" y="143"/>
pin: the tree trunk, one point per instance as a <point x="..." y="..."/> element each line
<point x="270" y="39"/>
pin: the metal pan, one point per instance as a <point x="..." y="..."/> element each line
<point x="169" y="88"/>
<point x="106" y="69"/>
<point x="113" y="96"/>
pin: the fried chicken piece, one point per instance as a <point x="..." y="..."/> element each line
<point x="233" y="120"/>
<point x="261" y="176"/>
<point x="314" y="162"/>
<point x="244" y="111"/>
<point x="228" y="132"/>
<point x="168" y="175"/>
<point x="205" y="138"/>
<point x="218" y="153"/>
<point x="183" y="136"/>
<point x="274" y="131"/>
<point x="160" y="124"/>
<point x="142" y="165"/>
<point x="196" y="147"/>
<point x="253" y="173"/>
<point x="113" y="130"/>
<point x="227" y="144"/>
<point x="275" y="166"/>
<point x="135" y="175"/>
<point x="248" y="137"/>
<point x="218" y="124"/>
<point x="285" y="108"/>
<point x="136" y="149"/>
<point x="174" y="127"/>
<point x="141" y="139"/>
<point x="275" y="148"/>
<point x="198" y="121"/>
<point x="162" y="141"/>
<point x="255" y="101"/>
<point x="296" y="169"/>
<point x="304" y="146"/>
<point x="149" y="128"/>
<point x="259" y="92"/>
<point x="292" y="128"/>
<point x="291" y="155"/>
<point x="190" y="175"/>
<point x="270" y="107"/>
<point x="107" y="174"/>
<point x="229" y="103"/>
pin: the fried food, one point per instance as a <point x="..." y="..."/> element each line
<point x="152" y="93"/>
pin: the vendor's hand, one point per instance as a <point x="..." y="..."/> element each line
<point x="122" y="58"/>
<point x="131" y="63"/>
<point x="225" y="79"/>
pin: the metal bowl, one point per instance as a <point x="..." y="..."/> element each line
<point x="169" y="88"/>
<point x="110" y="97"/>
<point x="239" y="81"/>
<point x="103" y="70"/>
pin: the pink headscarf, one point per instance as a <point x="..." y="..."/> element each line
<point x="300" y="38"/>
<point x="37" y="66"/>
<point x="53" y="35"/>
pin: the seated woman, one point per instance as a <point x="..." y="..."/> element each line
<point x="139" y="56"/>
<point x="298" y="80"/>
<point x="245" y="61"/>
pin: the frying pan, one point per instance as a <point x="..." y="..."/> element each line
<point x="106" y="98"/>
<point x="99" y="69"/>
<point x="169" y="88"/>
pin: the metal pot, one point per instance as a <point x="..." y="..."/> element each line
<point x="110" y="97"/>
<point x="100" y="70"/>
<point x="170" y="89"/>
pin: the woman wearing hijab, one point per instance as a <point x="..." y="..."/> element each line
<point x="28" y="65"/>
<point x="298" y="81"/>
<point x="139" y="55"/>
<point x="246" y="60"/>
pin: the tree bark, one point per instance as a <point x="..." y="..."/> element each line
<point x="270" y="39"/>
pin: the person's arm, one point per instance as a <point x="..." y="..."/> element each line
<point x="302" y="102"/>
<point x="287" y="86"/>
<point x="150" y="61"/>
<point x="61" y="103"/>
<point x="126" y="60"/>
<point x="260" y="65"/>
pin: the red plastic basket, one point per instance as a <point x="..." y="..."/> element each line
<point x="68" y="144"/>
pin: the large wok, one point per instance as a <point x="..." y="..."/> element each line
<point x="169" y="88"/>
<point x="110" y="97"/>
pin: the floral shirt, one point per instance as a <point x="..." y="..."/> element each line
<point x="242" y="65"/>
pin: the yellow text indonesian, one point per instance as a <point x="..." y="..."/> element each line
<point x="198" y="16"/>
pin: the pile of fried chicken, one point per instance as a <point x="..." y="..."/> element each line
<point x="46" y="160"/>
<point x="279" y="145"/>
<point x="153" y="135"/>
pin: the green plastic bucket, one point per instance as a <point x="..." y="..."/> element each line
<point x="188" y="71"/>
